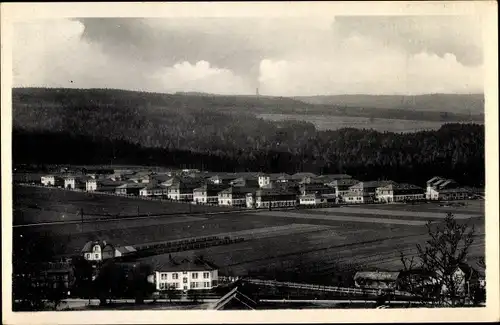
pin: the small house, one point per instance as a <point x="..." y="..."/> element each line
<point x="312" y="199"/>
<point x="439" y="188"/>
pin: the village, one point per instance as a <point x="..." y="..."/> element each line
<point x="247" y="191"/>
<point x="256" y="190"/>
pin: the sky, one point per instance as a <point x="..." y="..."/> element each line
<point x="298" y="56"/>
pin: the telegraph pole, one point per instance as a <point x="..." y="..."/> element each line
<point x="81" y="213"/>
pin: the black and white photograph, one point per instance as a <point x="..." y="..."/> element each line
<point x="250" y="162"/>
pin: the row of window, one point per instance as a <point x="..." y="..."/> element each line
<point x="194" y="275"/>
<point x="176" y="285"/>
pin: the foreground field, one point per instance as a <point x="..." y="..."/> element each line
<point x="35" y="204"/>
<point x="317" y="244"/>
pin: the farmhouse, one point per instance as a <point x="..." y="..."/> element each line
<point x="377" y="280"/>
<point x="129" y="189"/>
<point x="186" y="274"/>
<point x="234" y="196"/>
<point x="208" y="193"/>
<point x="271" y="198"/>
<point x="439" y="188"/>
<point x="399" y="193"/>
<point x="264" y="180"/>
<point x="93" y="251"/>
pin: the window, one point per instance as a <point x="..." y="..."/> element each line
<point x="175" y="276"/>
<point x="206" y="275"/>
<point x="194" y="275"/>
<point x="162" y="285"/>
<point x="185" y="280"/>
<point x="207" y="284"/>
<point x="96" y="256"/>
<point x="185" y="287"/>
<point x="177" y="285"/>
<point x="163" y="276"/>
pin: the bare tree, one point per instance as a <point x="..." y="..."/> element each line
<point x="433" y="275"/>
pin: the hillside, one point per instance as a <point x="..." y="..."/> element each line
<point x="451" y="103"/>
<point x="102" y="126"/>
<point x="247" y="104"/>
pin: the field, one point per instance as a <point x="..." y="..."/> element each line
<point x="316" y="243"/>
<point x="325" y="122"/>
<point x="32" y="204"/>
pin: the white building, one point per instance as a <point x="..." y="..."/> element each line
<point x="234" y="196"/>
<point x="264" y="180"/>
<point x="271" y="198"/>
<point x="185" y="274"/>
<point x="91" y="185"/>
<point x="312" y="199"/>
<point x="208" y="193"/>
<point x="152" y="190"/>
<point x="48" y="180"/>
<point x="399" y="193"/>
<point x="439" y="188"/>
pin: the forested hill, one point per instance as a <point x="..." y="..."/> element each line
<point x="445" y="108"/>
<point x="451" y="103"/>
<point x="99" y="127"/>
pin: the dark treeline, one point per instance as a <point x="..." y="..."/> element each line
<point x="119" y="127"/>
<point x="455" y="151"/>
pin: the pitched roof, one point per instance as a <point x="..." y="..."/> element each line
<point x="377" y="275"/>
<point x="181" y="264"/>
<point x="125" y="249"/>
<point x="238" y="190"/>
<point x="402" y="186"/>
<point x="87" y="248"/>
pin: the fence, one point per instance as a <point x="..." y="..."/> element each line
<point x="321" y="288"/>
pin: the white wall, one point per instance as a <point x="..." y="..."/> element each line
<point x="199" y="283"/>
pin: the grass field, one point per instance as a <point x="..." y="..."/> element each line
<point x="33" y="204"/>
<point x="312" y="242"/>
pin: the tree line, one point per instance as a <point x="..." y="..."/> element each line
<point x="123" y="130"/>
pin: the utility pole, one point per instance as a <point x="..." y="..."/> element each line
<point x="81" y="213"/>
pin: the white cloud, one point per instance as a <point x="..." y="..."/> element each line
<point x="310" y="60"/>
<point x="361" y="65"/>
<point x="199" y="77"/>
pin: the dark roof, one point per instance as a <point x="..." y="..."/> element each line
<point x="302" y="175"/>
<point x="273" y="191"/>
<point x="238" y="189"/>
<point x="87" y="248"/>
<point x="403" y="186"/>
<point x="377" y="275"/>
<point x="373" y="184"/>
<point x="211" y="187"/>
<point x="185" y="264"/>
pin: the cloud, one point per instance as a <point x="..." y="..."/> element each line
<point x="281" y="56"/>
<point x="364" y="66"/>
<point x="200" y="77"/>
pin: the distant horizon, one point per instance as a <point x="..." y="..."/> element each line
<point x="248" y="94"/>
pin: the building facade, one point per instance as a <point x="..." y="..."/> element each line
<point x="234" y="196"/>
<point x="271" y="198"/>
<point x="208" y="193"/>
<point x="399" y="193"/>
<point x="186" y="274"/>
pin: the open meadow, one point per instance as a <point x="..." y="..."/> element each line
<point x="312" y="242"/>
<point x="36" y="204"/>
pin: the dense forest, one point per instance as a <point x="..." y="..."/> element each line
<point x="100" y="129"/>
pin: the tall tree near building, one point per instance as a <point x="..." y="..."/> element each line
<point x="432" y="276"/>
